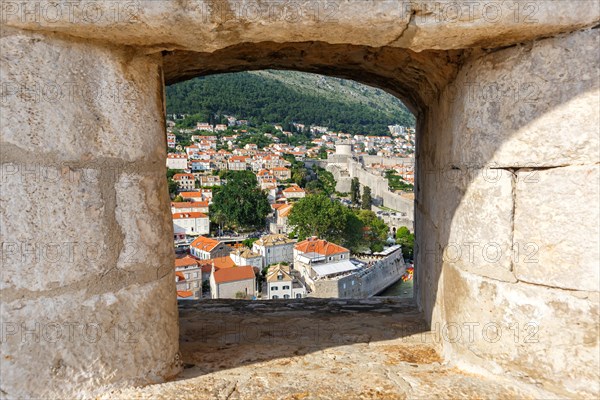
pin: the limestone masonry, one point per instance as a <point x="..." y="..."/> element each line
<point x="506" y="193"/>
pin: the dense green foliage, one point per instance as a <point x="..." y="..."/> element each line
<point x="355" y="191"/>
<point x="240" y="203"/>
<point x="395" y="182"/>
<point x="285" y="97"/>
<point x="318" y="215"/>
<point x="366" y="198"/>
<point x="299" y="171"/>
<point x="324" y="184"/>
<point x="407" y="240"/>
<point x="375" y="231"/>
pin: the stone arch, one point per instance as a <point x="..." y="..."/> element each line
<point x="82" y="134"/>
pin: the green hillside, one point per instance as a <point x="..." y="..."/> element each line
<point x="286" y="97"/>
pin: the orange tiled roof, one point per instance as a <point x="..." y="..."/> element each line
<point x="320" y="246"/>
<point x="204" y="243"/>
<point x="185" y="261"/>
<point x="189" y="215"/>
<point x="184" y="293"/>
<point x="179" y="176"/>
<point x="219" y="262"/>
<point x="294" y="189"/>
<point x="234" y="274"/>
<point x="189" y="204"/>
<point x="190" y="194"/>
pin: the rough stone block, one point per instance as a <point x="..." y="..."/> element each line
<point x="506" y="104"/>
<point x="79" y="101"/>
<point x="557" y="223"/>
<point x="480" y="233"/>
<point x="536" y="334"/>
<point x="53" y="226"/>
<point x="143" y="215"/>
<point x="80" y="343"/>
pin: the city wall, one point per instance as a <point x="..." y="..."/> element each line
<point x="383" y="273"/>
<point x="506" y="101"/>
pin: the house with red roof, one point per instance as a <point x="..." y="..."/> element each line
<point x="192" y="196"/>
<point x="177" y="161"/>
<point x="206" y="248"/>
<point x="189" y="207"/>
<point x="319" y="259"/>
<point x="185" y="181"/>
<point x="294" y="192"/>
<point x="188" y="278"/>
<point x="233" y="283"/>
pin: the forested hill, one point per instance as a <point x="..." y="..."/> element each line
<point x="288" y="96"/>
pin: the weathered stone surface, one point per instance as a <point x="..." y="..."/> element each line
<point x="528" y="332"/>
<point x="38" y="203"/>
<point x="406" y="54"/>
<point x="143" y="215"/>
<point x="513" y="100"/>
<point x="125" y="337"/>
<point x="212" y="25"/>
<point x="481" y="239"/>
<point x="557" y="226"/>
<point x="76" y="101"/>
<point x="326" y="354"/>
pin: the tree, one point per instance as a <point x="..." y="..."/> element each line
<point x="375" y="232"/>
<point x="407" y="240"/>
<point x="173" y="186"/>
<point x="241" y="201"/>
<point x="366" y="198"/>
<point x="354" y="191"/>
<point x="318" y="215"/>
<point x="322" y="154"/>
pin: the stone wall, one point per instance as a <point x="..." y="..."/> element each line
<point x="507" y="149"/>
<point x="514" y="243"/>
<point x="88" y="288"/>
<point x="385" y="272"/>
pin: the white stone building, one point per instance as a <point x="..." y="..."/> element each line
<point x="245" y="256"/>
<point x="282" y="284"/>
<point x="194" y="223"/>
<point x="232" y="283"/>
<point x="206" y="248"/>
<point x="185" y="181"/>
<point x="188" y="278"/>
<point x="177" y="161"/>
<point x="275" y="249"/>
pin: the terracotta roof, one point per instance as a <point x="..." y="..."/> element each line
<point x="189" y="204"/>
<point x="219" y="263"/>
<point x="190" y="194"/>
<point x="285" y="211"/>
<point x="185" y="261"/>
<point x="277" y="206"/>
<point x="179" y="176"/>
<point x="320" y="246"/>
<point x="204" y="243"/>
<point x="184" y="293"/>
<point x="180" y="276"/>
<point x="294" y="189"/>
<point x="234" y="274"/>
<point x="189" y="215"/>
